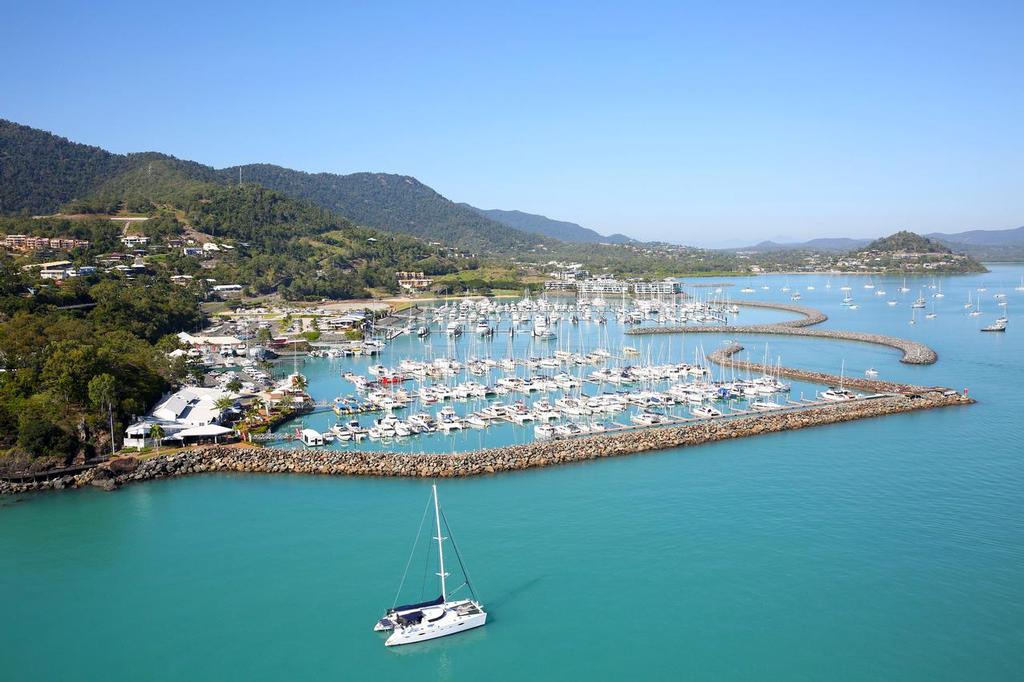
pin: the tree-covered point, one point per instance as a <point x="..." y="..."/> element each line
<point x="67" y="372"/>
<point x="909" y="242"/>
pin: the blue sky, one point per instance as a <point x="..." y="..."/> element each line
<point x="701" y="123"/>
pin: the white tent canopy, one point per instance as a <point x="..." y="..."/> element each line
<point x="206" y="431"/>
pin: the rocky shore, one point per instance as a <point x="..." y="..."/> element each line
<point x="115" y="473"/>
<point x="914" y="353"/>
<point x="724" y="356"/>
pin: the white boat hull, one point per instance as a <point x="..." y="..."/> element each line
<point x="450" y="624"/>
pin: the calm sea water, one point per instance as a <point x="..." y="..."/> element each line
<point x="887" y="549"/>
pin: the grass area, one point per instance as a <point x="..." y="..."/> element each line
<point x="487" y="274"/>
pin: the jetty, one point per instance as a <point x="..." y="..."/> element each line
<point x="914" y="352"/>
<point x="320" y="461"/>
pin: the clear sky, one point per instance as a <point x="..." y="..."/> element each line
<point x="704" y="123"/>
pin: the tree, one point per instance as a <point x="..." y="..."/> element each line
<point x="263" y="335"/>
<point x="156" y="432"/>
<point x="224" y="403"/>
<point x="103" y="394"/>
<point x="43" y="438"/>
<point x="234" y="385"/>
<point x="256" y="405"/>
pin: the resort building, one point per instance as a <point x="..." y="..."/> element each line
<point x="413" y="280"/>
<point x="662" y="287"/>
<point x="132" y="241"/>
<point x="601" y="286"/>
<point x="215" y="344"/>
<point x="187" y="416"/>
<point x="227" y="290"/>
<point x="21" y="242"/>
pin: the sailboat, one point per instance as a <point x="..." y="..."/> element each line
<point x="439" y="617"/>
<point x="840" y="394"/>
<point x="1021" y="287"/>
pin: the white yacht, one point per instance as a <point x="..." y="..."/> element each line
<point x="439" y="617"/>
<point x="706" y="412"/>
<point x="837" y="395"/>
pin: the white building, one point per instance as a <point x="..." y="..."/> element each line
<point x="212" y="343"/>
<point x="133" y="240"/>
<point x="188" y="413"/>
<point x="660" y="287"/>
<point x="227" y="290"/>
<point x="601" y="286"/>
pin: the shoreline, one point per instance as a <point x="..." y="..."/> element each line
<point x="211" y="459"/>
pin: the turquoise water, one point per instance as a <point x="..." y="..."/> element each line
<point x="887" y="549"/>
<point x="326" y="381"/>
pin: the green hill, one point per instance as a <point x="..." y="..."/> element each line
<point x="39" y="172"/>
<point x="555" y="229"/>
<point x="908" y="242"/>
<point x="396" y="203"/>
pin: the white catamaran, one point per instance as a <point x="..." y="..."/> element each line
<point x="438" y="617"/>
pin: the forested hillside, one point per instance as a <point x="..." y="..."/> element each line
<point x="555" y="229"/>
<point x="396" y="203"/>
<point x="40" y="172"/>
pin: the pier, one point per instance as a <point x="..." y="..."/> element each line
<point x="914" y="353"/>
<point x="323" y="461"/>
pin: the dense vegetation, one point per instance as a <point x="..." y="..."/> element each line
<point x="40" y="172"/>
<point x="556" y="229"/>
<point x="907" y="241"/>
<point x="66" y="374"/>
<point x="396" y="203"/>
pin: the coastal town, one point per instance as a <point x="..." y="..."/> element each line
<point x="459" y="341"/>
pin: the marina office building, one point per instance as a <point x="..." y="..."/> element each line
<point x="606" y="286"/>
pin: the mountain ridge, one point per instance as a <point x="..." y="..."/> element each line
<point x="562" y="230"/>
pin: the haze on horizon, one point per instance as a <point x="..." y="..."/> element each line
<point x="707" y="125"/>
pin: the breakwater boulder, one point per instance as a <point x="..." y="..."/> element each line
<point x="494" y="460"/>
<point x="914" y="353"/>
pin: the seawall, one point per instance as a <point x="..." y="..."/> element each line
<point x="914" y="353"/>
<point x="533" y="455"/>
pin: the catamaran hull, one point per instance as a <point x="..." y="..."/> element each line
<point x="435" y="630"/>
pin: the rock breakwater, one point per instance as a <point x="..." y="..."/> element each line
<point x="488" y="461"/>
<point x="914" y="353"/>
<point x="724" y="356"/>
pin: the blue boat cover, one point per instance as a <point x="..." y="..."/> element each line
<point x="421" y="605"/>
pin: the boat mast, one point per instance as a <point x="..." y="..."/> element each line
<point x="440" y="546"/>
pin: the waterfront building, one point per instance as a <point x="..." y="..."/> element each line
<point x="601" y="286"/>
<point x="216" y="344"/>
<point x="661" y="287"/>
<point x="189" y="414"/>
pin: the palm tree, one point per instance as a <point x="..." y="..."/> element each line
<point x="224" y="403"/>
<point x="255" y="406"/>
<point x="156" y="432"/>
<point x="299" y="381"/>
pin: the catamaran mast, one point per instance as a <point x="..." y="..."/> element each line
<point x="440" y="545"/>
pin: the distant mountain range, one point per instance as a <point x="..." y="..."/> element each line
<point x="821" y="244"/>
<point x="1013" y="236"/>
<point x="556" y="229"/>
<point x="982" y="244"/>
